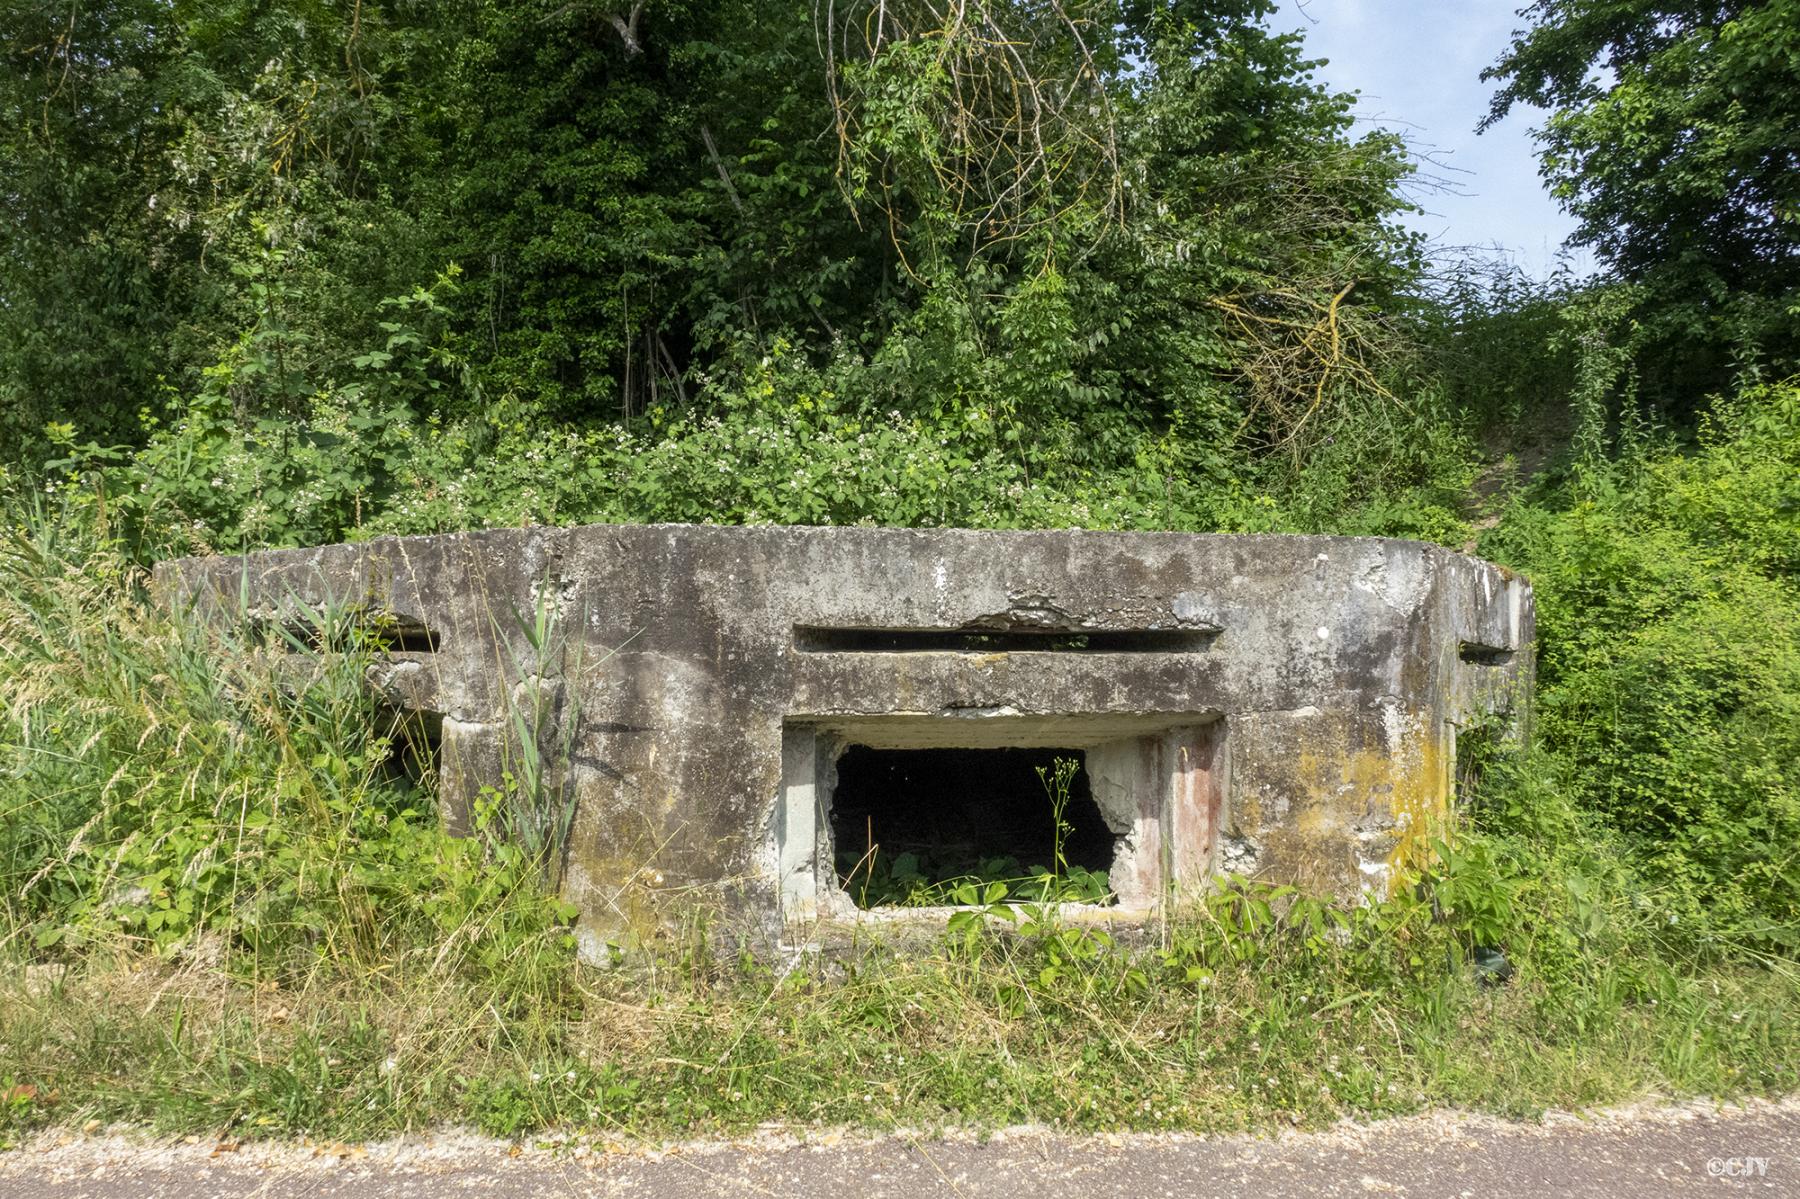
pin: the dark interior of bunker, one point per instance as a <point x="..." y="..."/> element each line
<point x="955" y="813"/>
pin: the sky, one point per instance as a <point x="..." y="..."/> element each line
<point x="1417" y="65"/>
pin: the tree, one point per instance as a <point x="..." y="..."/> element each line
<point x="1674" y="138"/>
<point x="82" y="311"/>
<point x="1071" y="237"/>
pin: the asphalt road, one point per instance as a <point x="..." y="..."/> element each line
<point x="1689" y="1150"/>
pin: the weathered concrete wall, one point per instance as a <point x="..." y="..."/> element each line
<point x="1284" y="707"/>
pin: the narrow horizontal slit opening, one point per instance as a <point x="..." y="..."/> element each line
<point x="339" y="632"/>
<point x="813" y="639"/>
<point x="1483" y="655"/>
<point x="409" y="639"/>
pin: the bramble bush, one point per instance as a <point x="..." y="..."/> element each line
<point x="784" y="441"/>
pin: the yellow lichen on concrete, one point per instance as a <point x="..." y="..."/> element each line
<point x="1421" y="804"/>
<point x="620" y="899"/>
<point x="1387" y="801"/>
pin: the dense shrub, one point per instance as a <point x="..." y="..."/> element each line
<point x="1669" y="663"/>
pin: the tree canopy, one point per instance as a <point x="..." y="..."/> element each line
<point x="611" y="212"/>
<point x="320" y="270"/>
<point x="1674" y="139"/>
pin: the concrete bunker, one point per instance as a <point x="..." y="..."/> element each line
<point x="727" y="703"/>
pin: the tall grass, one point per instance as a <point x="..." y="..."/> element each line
<point x="1231" y="1027"/>
<point x="175" y="789"/>
<point x="223" y="811"/>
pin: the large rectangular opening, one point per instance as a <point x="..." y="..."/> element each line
<point x="914" y="827"/>
<point x="908" y="815"/>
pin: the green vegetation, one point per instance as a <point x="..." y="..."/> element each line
<point x="1680" y="170"/>
<point x="286" y="272"/>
